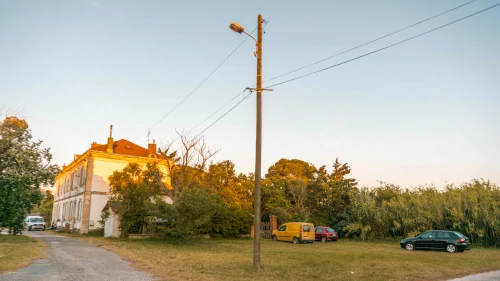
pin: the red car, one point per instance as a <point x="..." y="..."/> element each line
<point x="325" y="233"/>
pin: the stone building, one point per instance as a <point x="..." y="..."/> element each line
<point x="82" y="188"/>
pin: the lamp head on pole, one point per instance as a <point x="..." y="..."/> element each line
<point x="236" y="27"/>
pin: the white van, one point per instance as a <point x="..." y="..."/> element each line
<point x="34" y="222"/>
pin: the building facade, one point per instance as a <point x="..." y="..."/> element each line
<point x="82" y="188"/>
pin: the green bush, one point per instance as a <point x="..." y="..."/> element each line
<point x="231" y="222"/>
<point x="98" y="232"/>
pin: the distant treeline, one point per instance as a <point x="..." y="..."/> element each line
<point x="473" y="208"/>
<point x="296" y="190"/>
<point x="215" y="200"/>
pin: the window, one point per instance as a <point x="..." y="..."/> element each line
<point x="306" y="228"/>
<point x="282" y="228"/>
<point x="72" y="210"/>
<point x="443" y="235"/>
<point x="84" y="174"/>
<point x="80" y="211"/>
<point x="331" y="230"/>
<point x="80" y="176"/>
<point x="428" y="235"/>
<point x="71" y="182"/>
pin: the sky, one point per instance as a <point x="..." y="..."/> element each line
<point x="425" y="112"/>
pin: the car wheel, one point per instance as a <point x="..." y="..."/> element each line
<point x="409" y="246"/>
<point x="275" y="238"/>
<point x="323" y="239"/>
<point x="295" y="240"/>
<point x="450" y="248"/>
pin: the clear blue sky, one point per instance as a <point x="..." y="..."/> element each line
<point x="424" y="112"/>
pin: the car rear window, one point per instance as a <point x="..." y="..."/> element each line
<point x="443" y="235"/>
<point x="328" y="229"/>
<point x="306" y="228"/>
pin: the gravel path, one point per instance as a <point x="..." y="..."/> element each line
<point x="487" y="276"/>
<point x="71" y="259"/>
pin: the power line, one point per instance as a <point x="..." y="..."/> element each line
<point x="220" y="108"/>
<point x="215" y="112"/>
<point x="222" y="116"/>
<point x="213" y="123"/>
<point x="197" y="87"/>
<point x="344" y="62"/>
<point x="372" y="41"/>
<point x="341" y="53"/>
<point x="381" y="49"/>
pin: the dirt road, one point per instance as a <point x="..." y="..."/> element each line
<point x="73" y="259"/>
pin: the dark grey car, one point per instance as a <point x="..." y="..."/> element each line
<point x="450" y="241"/>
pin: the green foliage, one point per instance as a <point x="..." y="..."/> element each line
<point x="296" y="190"/>
<point x="231" y="222"/>
<point x="235" y="190"/>
<point x="200" y="211"/>
<point x="24" y="167"/>
<point x="133" y="187"/>
<point x="98" y="232"/>
<point x="104" y="216"/>
<point x="195" y="211"/>
<point x="45" y="208"/>
<point x="472" y="208"/>
<point x="218" y="202"/>
<point x="357" y="230"/>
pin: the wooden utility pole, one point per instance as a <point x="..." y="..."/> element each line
<point x="258" y="150"/>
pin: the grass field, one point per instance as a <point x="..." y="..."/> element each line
<point x="17" y="251"/>
<point x="213" y="259"/>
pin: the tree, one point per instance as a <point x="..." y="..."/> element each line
<point x="133" y="187"/>
<point x="24" y="167"/>
<point x="284" y="191"/>
<point x="293" y="168"/>
<point x="188" y="164"/>
<point x="46" y="206"/>
<point x="235" y="190"/>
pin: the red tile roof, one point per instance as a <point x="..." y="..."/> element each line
<point x="126" y="147"/>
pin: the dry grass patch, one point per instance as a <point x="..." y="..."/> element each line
<point x="213" y="259"/>
<point x="17" y="251"/>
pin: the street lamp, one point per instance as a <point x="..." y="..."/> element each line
<point x="238" y="28"/>
<point x="258" y="142"/>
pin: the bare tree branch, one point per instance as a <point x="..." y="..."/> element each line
<point x="188" y="162"/>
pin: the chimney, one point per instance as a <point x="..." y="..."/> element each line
<point x="152" y="149"/>
<point x="93" y="144"/>
<point x="109" y="149"/>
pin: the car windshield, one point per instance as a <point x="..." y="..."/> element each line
<point x="330" y="230"/>
<point x="36" y="220"/>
